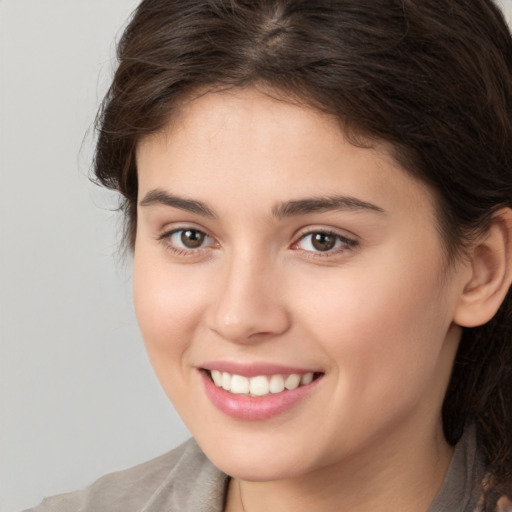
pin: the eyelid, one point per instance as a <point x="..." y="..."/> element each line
<point x="342" y="233"/>
<point x="173" y="227"/>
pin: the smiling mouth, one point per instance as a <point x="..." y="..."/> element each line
<point x="261" y="385"/>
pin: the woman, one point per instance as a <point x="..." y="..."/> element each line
<point x="318" y="199"/>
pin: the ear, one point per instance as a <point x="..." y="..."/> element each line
<point x="490" y="273"/>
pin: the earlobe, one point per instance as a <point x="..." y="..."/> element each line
<point x="491" y="273"/>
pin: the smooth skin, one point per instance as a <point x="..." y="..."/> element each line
<point x="226" y="270"/>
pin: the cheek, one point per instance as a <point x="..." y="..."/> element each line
<point x="168" y="304"/>
<point x="380" y="329"/>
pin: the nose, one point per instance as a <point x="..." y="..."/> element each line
<point x="249" y="305"/>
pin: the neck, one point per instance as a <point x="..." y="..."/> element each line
<point x="397" y="476"/>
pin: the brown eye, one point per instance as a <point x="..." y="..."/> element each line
<point x="191" y="238"/>
<point x="187" y="241"/>
<point x="323" y="241"/>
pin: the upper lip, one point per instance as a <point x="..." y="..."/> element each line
<point x="254" y="369"/>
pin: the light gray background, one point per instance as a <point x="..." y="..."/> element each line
<point x="77" y="395"/>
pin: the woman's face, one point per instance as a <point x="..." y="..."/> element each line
<point x="270" y="248"/>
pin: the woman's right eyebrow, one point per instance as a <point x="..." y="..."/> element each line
<point x="158" y="196"/>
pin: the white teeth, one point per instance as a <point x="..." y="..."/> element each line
<point x="306" y="379"/>
<point x="239" y="385"/>
<point x="226" y="381"/>
<point x="292" y="381"/>
<point x="276" y="384"/>
<point x="260" y="385"/>
<point x="217" y="377"/>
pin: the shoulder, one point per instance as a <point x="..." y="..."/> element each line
<point x="182" y="478"/>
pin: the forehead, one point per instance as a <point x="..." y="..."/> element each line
<point x="261" y="149"/>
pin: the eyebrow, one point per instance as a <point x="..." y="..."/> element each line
<point x="286" y="209"/>
<point x="157" y="196"/>
<point x="322" y="204"/>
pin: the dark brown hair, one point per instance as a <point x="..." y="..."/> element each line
<point x="432" y="78"/>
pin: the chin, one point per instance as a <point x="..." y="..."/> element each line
<point x="257" y="470"/>
<point x="256" y="461"/>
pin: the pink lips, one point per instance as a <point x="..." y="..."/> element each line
<point x="254" y="408"/>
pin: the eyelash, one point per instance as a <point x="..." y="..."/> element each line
<point x="342" y="243"/>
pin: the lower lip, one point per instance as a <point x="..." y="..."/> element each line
<point x="255" y="408"/>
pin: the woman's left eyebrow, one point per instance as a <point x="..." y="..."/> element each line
<point x="321" y="204"/>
